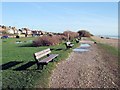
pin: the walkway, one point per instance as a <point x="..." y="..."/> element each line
<point x="91" y="69"/>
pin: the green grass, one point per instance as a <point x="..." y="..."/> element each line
<point x="0" y="51"/>
<point x="24" y="52"/>
<point x="109" y="49"/>
<point x="92" y="39"/>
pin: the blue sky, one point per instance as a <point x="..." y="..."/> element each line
<point x="100" y="18"/>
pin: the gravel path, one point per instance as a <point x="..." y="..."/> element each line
<point x="91" y="69"/>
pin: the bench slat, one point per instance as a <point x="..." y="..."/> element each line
<point x="48" y="59"/>
<point x="41" y="52"/>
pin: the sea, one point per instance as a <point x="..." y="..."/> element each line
<point x="110" y="36"/>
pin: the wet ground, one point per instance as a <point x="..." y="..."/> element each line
<point x="90" y="69"/>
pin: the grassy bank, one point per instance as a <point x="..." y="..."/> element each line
<point x="109" y="49"/>
<point x="22" y="55"/>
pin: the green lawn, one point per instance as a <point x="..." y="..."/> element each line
<point x="22" y="54"/>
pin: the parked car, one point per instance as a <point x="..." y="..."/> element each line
<point x="4" y="37"/>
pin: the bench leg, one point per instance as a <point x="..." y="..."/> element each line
<point x="53" y="60"/>
<point x="68" y="47"/>
<point x="40" y="66"/>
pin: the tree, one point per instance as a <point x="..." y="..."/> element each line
<point x="84" y="33"/>
<point x="4" y="27"/>
<point x="70" y="35"/>
<point x="14" y="29"/>
<point x="26" y="34"/>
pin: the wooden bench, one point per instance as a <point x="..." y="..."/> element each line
<point x="38" y="55"/>
<point x="69" y="44"/>
<point x="77" y="41"/>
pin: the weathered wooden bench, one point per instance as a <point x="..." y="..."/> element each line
<point x="77" y="41"/>
<point x="69" y="44"/>
<point x="38" y="55"/>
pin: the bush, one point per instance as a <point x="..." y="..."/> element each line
<point x="46" y="41"/>
<point x="62" y="37"/>
<point x="84" y="33"/>
<point x="70" y="35"/>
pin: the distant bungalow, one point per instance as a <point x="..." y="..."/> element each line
<point x="38" y="32"/>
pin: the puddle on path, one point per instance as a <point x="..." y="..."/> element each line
<point x="83" y="48"/>
<point x="80" y="50"/>
<point x="84" y="45"/>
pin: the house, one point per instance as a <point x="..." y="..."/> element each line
<point x="36" y="33"/>
<point x="43" y="32"/>
<point x="24" y="31"/>
<point x="49" y="33"/>
<point x="11" y="31"/>
<point x="29" y="32"/>
<point x="1" y="30"/>
<point x="19" y="31"/>
<point x="8" y="30"/>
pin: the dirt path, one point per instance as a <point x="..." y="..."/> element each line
<point x="91" y="69"/>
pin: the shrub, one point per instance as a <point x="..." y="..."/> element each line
<point x="62" y="37"/>
<point x="70" y="35"/>
<point x="46" y="41"/>
<point x="84" y="33"/>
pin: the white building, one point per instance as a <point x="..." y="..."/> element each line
<point x="11" y="31"/>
